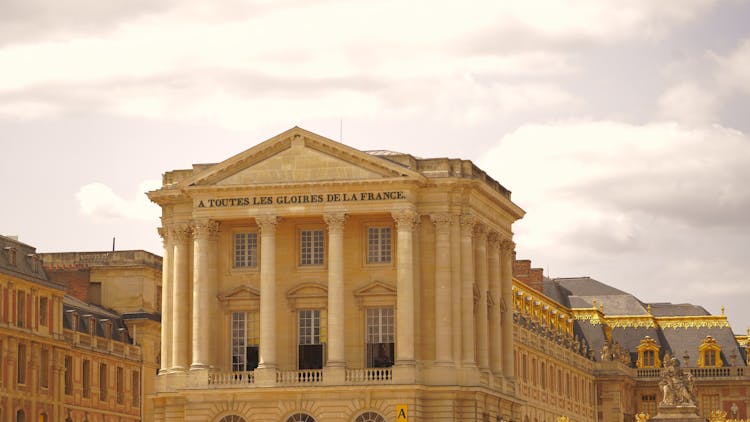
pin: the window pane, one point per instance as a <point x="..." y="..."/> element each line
<point x="245" y="250"/>
<point x="311" y="247"/>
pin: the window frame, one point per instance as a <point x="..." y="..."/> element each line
<point x="246" y="231"/>
<point x="315" y="248"/>
<point x="378" y="258"/>
<point x="383" y="330"/>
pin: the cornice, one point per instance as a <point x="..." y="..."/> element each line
<point x="702" y="321"/>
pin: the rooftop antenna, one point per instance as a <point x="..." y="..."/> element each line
<point x="113" y="244"/>
<point x="341" y="129"/>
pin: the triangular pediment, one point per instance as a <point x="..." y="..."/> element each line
<point x="376" y="288"/>
<point x="299" y="156"/>
<point x="308" y="290"/>
<point x="239" y="293"/>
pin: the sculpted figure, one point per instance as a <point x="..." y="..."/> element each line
<point x="677" y="386"/>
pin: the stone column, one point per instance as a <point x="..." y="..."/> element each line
<point x="267" y="359"/>
<point x="203" y="286"/>
<point x="166" y="299"/>
<point x="443" y="308"/>
<point x="336" y="315"/>
<point x="506" y="276"/>
<point x="467" y="290"/>
<point x="480" y="233"/>
<point x="456" y="286"/>
<point x="405" y="221"/>
<point x="493" y="244"/>
<point x="180" y="299"/>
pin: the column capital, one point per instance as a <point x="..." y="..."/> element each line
<point x="267" y="223"/>
<point x="442" y="222"/>
<point x="467" y="224"/>
<point x="181" y="232"/>
<point x="205" y="228"/>
<point x="405" y="219"/>
<point x="493" y="240"/>
<point x="164" y="233"/>
<point x="507" y="245"/>
<point x="480" y="231"/>
<point x="335" y="220"/>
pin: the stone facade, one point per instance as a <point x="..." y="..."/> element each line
<point x="401" y="267"/>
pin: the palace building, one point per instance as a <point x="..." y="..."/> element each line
<point x="306" y="281"/>
<point x="66" y="353"/>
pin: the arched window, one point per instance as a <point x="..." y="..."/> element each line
<point x="370" y="417"/>
<point x="300" y="417"/>
<point x="709" y="353"/>
<point x="232" y="418"/>
<point x="20" y="416"/>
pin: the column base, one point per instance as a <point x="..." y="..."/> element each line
<point x="405" y="372"/>
<point x="334" y="374"/>
<point x="177" y="369"/>
<point x="199" y="366"/>
<point x="265" y="376"/>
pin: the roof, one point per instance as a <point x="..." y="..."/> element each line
<point x="20" y="260"/>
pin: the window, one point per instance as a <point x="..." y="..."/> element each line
<point x="20" y="309"/>
<point x="543" y="376"/>
<point x="135" y="388"/>
<point x="20" y="416"/>
<point x="648" y="404"/>
<point x="44" y="369"/>
<point x="709" y="353"/>
<point x="370" y="417"/>
<point x="379" y="337"/>
<point x="378" y="245"/>
<point x="103" y="381"/>
<point x="86" y="378"/>
<point x="300" y="417"/>
<point x="11" y="255"/>
<point x="648" y="358"/>
<point x="310" y="347"/>
<point x="311" y="247"/>
<point x="245" y="335"/>
<point x="21" y="365"/>
<point x="232" y="418"/>
<point x="709" y="403"/>
<point x="120" y="384"/>
<point x="68" y="375"/>
<point x="245" y="250"/>
<point x="709" y="358"/>
<point x="43" y="311"/>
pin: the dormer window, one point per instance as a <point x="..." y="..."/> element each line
<point x="709" y="353"/>
<point x="648" y="354"/>
<point x="11" y="252"/>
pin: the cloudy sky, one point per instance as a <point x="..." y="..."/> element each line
<point x="622" y="127"/>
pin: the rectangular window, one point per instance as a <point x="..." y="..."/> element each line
<point x="20" y="309"/>
<point x="648" y="404"/>
<point x="709" y="358"/>
<point x="43" y="311"/>
<point x="245" y="250"/>
<point x="120" y="384"/>
<point x="709" y="403"/>
<point x="68" y="375"/>
<point x="103" y="381"/>
<point x="136" y="388"/>
<point x="21" y="372"/>
<point x="44" y="368"/>
<point x="86" y="378"/>
<point x="378" y="245"/>
<point x="379" y="331"/>
<point x="648" y="358"/>
<point x="245" y="336"/>
<point x="311" y="247"/>
<point x="310" y="347"/>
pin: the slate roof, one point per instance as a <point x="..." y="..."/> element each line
<point x="85" y="311"/>
<point x="580" y="292"/>
<point x="27" y="266"/>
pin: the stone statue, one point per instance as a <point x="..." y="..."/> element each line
<point x="676" y="385"/>
<point x="734" y="411"/>
<point x="606" y="352"/>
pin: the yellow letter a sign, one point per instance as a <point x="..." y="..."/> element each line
<point x="402" y="413"/>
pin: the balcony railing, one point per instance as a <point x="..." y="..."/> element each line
<point x="302" y="376"/>
<point x="231" y="378"/>
<point x="698" y="372"/>
<point x="369" y="375"/>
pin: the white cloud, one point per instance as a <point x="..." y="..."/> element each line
<point x="734" y="69"/>
<point x="99" y="201"/>
<point x="689" y="103"/>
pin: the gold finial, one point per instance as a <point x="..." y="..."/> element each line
<point x="593" y="302"/>
<point x="722" y="309"/>
<point x="563" y="419"/>
<point x="649" y="309"/>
